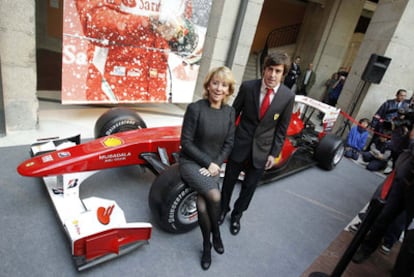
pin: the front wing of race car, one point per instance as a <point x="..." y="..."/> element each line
<point x="96" y="227"/>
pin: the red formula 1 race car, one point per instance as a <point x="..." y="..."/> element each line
<point x="97" y="227"/>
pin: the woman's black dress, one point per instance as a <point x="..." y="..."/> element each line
<point x="207" y="136"/>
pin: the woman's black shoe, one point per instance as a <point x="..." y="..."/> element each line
<point x="218" y="244"/>
<point x="206" y="258"/>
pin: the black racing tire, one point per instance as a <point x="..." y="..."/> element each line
<point x="118" y="120"/>
<point x="172" y="202"/>
<point x="329" y="151"/>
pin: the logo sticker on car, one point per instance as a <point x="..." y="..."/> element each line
<point x="112" y="142"/>
<point x="64" y="154"/>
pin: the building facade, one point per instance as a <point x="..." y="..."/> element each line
<point x="326" y="37"/>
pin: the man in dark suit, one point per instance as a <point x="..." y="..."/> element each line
<point x="258" y="139"/>
<point x="293" y="74"/>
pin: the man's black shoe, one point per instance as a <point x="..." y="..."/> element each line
<point x="360" y="256"/>
<point x="235" y="226"/>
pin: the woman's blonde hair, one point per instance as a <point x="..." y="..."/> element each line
<point x="224" y="74"/>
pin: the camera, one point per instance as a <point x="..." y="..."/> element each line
<point x="405" y="118"/>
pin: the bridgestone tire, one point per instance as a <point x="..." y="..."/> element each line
<point x="172" y="202"/>
<point x="118" y="120"/>
<point x="329" y="152"/>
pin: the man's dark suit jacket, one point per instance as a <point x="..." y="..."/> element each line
<point x="260" y="137"/>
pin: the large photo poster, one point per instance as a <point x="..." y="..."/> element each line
<point x="132" y="51"/>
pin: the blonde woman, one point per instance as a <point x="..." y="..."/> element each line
<point x="206" y="141"/>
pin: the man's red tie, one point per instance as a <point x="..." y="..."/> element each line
<point x="265" y="103"/>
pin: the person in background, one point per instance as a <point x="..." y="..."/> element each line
<point x="396" y="228"/>
<point x="404" y="266"/>
<point x="410" y="102"/>
<point x="393" y="231"/>
<point x="400" y="127"/>
<point x="388" y="111"/>
<point x="306" y="81"/>
<point x="328" y="86"/>
<point x="382" y="120"/>
<point x="400" y="198"/>
<point x="206" y="141"/>
<point x="265" y="108"/>
<point x="336" y="89"/>
<point x="378" y="154"/>
<point x="293" y="74"/>
<point x="356" y="140"/>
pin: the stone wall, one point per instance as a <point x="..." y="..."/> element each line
<point x="18" y="63"/>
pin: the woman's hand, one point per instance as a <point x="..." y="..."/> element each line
<point x="204" y="171"/>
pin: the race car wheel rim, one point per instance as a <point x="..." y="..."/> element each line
<point x="338" y="155"/>
<point x="187" y="210"/>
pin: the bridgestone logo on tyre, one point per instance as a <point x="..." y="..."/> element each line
<point x="119" y="124"/>
<point x="174" y="206"/>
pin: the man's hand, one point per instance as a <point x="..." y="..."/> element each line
<point x="214" y="169"/>
<point x="270" y="162"/>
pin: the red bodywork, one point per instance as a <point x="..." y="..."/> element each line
<point x="111" y="151"/>
<point x="124" y="149"/>
<point x="295" y="127"/>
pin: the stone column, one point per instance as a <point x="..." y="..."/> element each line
<point x="389" y="35"/>
<point x="219" y="36"/>
<point x="325" y="34"/>
<point x="18" y="63"/>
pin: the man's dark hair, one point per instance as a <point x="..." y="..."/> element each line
<point x="399" y="91"/>
<point x="343" y="73"/>
<point x="278" y="58"/>
<point x="364" y="120"/>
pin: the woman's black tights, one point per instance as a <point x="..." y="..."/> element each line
<point x="208" y="206"/>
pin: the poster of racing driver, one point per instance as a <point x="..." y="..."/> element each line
<point x="132" y="51"/>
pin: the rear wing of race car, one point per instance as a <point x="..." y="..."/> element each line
<point x="329" y="114"/>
